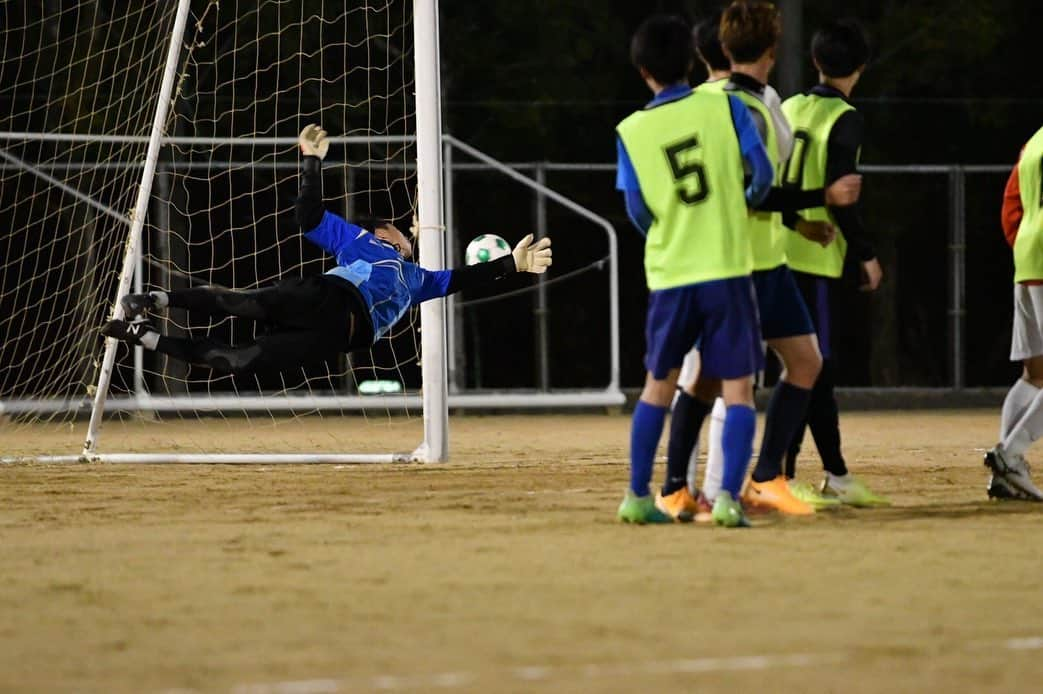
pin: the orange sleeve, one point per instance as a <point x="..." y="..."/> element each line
<point x="1012" y="211"/>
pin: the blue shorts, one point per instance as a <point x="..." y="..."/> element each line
<point x="720" y="315"/>
<point x="782" y="308"/>
<point x="816" y="297"/>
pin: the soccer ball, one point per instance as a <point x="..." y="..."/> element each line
<point x="484" y="248"/>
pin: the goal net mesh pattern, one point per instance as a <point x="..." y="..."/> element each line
<point x="249" y="77"/>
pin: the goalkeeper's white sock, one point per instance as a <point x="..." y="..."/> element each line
<point x="1019" y="397"/>
<point x="715" y="451"/>
<point x="161" y="299"/>
<point x="1028" y="429"/>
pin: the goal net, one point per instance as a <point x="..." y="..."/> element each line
<point x="81" y="88"/>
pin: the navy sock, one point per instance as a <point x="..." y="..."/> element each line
<point x="685" y="422"/>
<point x="785" y="415"/>
<point x="824" y="421"/>
<point x="645" y="430"/>
<point x="740" y="422"/>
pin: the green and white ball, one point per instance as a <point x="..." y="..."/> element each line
<point x="484" y="248"/>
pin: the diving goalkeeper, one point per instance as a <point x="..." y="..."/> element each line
<point x="316" y="317"/>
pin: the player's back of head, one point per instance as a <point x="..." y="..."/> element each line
<point x="370" y="222"/>
<point x="662" y="45"/>
<point x="840" y="48"/>
<point x="707" y="37"/>
<point x="749" y="29"/>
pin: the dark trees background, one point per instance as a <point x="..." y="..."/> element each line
<point x="950" y="82"/>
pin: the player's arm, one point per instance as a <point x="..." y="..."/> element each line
<point x="308" y="208"/>
<point x="842" y="150"/>
<point x="1012" y="211"/>
<point x="844" y="191"/>
<point x="753" y="153"/>
<point x="528" y="256"/>
<point x="626" y="181"/>
<point x="329" y="231"/>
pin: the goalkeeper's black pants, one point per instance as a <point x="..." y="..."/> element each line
<point x="304" y="320"/>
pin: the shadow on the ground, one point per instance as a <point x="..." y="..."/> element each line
<point x="966" y="509"/>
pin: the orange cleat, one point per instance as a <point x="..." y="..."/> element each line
<point x="775" y="495"/>
<point x="680" y="505"/>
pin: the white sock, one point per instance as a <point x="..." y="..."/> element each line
<point x="161" y="299"/>
<point x="839" y="481"/>
<point x="1019" y="397"/>
<point x="149" y="340"/>
<point x="1028" y="429"/>
<point x="714" y="452"/>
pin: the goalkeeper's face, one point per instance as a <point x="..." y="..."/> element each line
<point x="390" y="234"/>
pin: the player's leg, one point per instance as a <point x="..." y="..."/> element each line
<point x="1011" y="476"/>
<point x="217" y="302"/>
<point x="740" y="424"/>
<point x="295" y="302"/>
<point x="790" y="466"/>
<point x="268" y="353"/>
<point x="691" y="405"/>
<point x="714" y="451"/>
<point x="823" y="418"/>
<point x="686" y="382"/>
<point x="671" y="329"/>
<point x="814" y="292"/>
<point x="787" y="328"/>
<point x="732" y="351"/>
<point x="646" y="428"/>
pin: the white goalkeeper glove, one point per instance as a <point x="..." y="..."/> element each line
<point x="313" y="141"/>
<point x="532" y="257"/>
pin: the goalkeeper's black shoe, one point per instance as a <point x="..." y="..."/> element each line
<point x="130" y="333"/>
<point x="137" y="305"/>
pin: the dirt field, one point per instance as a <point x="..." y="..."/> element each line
<point x="504" y="570"/>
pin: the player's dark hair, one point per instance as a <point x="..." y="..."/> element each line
<point x="707" y="36"/>
<point x="840" y="48"/>
<point x="749" y="28"/>
<point x="370" y="222"/>
<point x="662" y="45"/>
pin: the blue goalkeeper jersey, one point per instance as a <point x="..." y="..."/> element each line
<point x="388" y="283"/>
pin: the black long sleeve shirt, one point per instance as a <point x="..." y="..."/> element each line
<point x="845" y="141"/>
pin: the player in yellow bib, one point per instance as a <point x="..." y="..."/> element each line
<point x="1021" y="423"/>
<point x="827" y="140"/>
<point x="681" y="169"/>
<point x="748" y="34"/>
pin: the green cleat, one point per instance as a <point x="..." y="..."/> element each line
<point x="851" y="491"/>
<point x="641" y="510"/>
<point x="728" y="512"/>
<point x="806" y="492"/>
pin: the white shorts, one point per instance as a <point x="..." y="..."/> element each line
<point x="1028" y="322"/>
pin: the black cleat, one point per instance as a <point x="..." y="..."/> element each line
<point x="999" y="489"/>
<point x="137" y="305"/>
<point x="1010" y="474"/>
<point x="130" y="333"/>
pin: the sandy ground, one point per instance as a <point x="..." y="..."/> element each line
<point x="504" y="570"/>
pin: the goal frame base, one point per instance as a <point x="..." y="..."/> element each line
<point x="223" y="458"/>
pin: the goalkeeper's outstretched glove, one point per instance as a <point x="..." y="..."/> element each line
<point x="313" y="141"/>
<point x="532" y="257"/>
